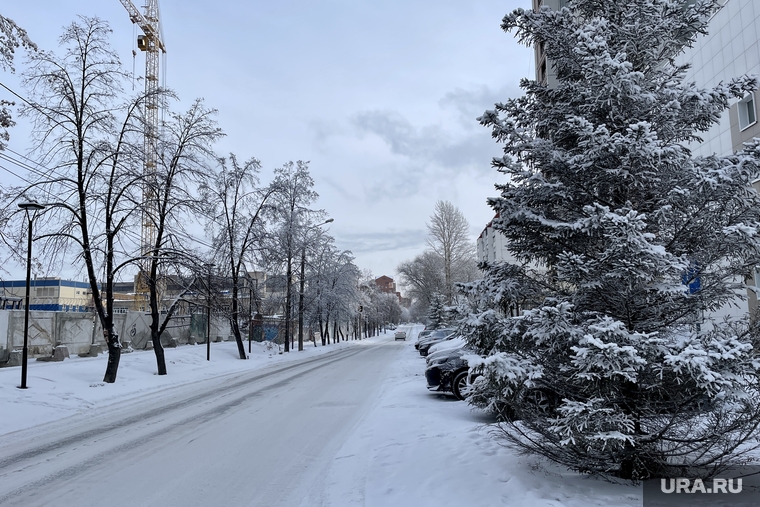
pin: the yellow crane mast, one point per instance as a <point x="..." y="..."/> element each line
<point x="150" y="42"/>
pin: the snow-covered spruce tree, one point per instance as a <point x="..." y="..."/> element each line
<point x="437" y="312"/>
<point x="608" y="372"/>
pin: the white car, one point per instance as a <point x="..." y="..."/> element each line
<point x="400" y="335"/>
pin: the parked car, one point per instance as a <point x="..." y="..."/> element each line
<point x="400" y="335"/>
<point x="457" y="342"/>
<point x="420" y="336"/>
<point x="436" y="336"/>
<point x="447" y="371"/>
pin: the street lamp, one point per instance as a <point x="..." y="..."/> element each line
<point x="303" y="276"/>
<point x="208" y="265"/>
<point x="34" y="207"/>
<point x="253" y="290"/>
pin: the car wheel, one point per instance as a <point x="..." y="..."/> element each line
<point x="459" y="384"/>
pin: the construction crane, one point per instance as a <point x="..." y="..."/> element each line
<point x="150" y="42"/>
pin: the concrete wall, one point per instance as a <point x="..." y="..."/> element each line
<point x="79" y="330"/>
<point x="46" y="330"/>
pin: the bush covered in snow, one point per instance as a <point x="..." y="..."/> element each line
<point x="623" y="239"/>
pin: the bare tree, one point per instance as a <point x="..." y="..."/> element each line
<point x="12" y="37"/>
<point x="332" y="293"/>
<point x="295" y="193"/>
<point x="449" y="238"/>
<point x="423" y="277"/>
<point x="184" y="149"/>
<point x="85" y="133"/>
<point x="236" y="220"/>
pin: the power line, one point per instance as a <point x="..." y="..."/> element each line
<point x="53" y="172"/>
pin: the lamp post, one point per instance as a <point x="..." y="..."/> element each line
<point x="303" y="276"/>
<point x="208" y="265"/>
<point x="250" y="311"/>
<point x="34" y="207"/>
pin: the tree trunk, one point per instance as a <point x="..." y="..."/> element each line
<point x="114" y="355"/>
<point x="158" y="349"/>
<point x="234" y="320"/>
<point x="238" y="338"/>
<point x="155" y="335"/>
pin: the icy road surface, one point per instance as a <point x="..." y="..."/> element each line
<point x="259" y="438"/>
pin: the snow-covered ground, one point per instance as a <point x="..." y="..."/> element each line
<point x="410" y="448"/>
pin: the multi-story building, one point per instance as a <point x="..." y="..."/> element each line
<point x="492" y="246"/>
<point x="730" y="49"/>
<point x="254" y="287"/>
<point x="544" y="72"/>
<point x="386" y="284"/>
<point x="50" y="294"/>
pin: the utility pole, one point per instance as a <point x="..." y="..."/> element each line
<point x="208" y="313"/>
<point x="250" y="311"/>
<point x="289" y="281"/>
<point x="300" y="298"/>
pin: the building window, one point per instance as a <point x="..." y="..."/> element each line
<point x="47" y="292"/>
<point x="747" y="116"/>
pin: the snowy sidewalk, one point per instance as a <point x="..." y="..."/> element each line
<point x="422" y="449"/>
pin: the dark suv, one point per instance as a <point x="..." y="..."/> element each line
<point x="447" y="371"/>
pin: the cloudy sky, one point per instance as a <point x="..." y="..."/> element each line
<point x="381" y="97"/>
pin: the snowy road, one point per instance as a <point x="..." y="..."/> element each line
<point x="259" y="438"/>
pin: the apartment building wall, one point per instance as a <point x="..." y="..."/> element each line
<point x="730" y="49"/>
<point x="544" y="71"/>
<point x="492" y="246"/>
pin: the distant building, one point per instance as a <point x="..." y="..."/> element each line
<point x="386" y="284"/>
<point x="50" y="294"/>
<point x="492" y="246"/>
<point x="253" y="288"/>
